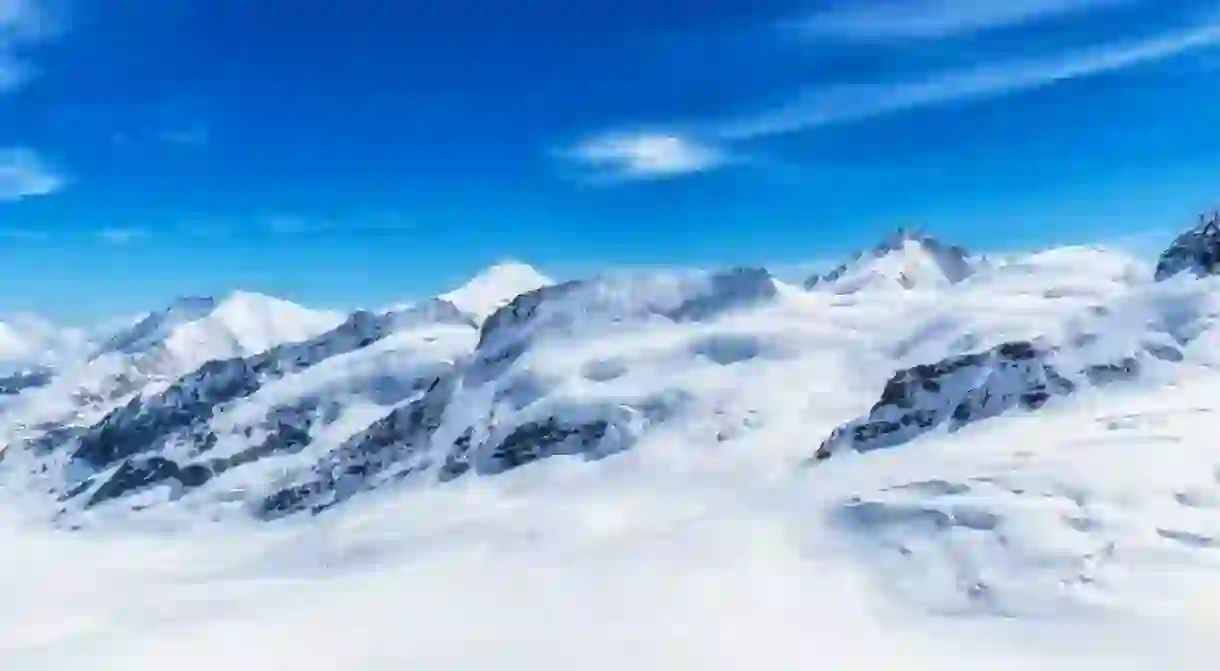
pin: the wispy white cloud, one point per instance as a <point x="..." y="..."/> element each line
<point x="23" y="23"/>
<point x="643" y="155"/>
<point x="932" y="19"/>
<point x="121" y="235"/>
<point x="703" y="145"/>
<point x="24" y="174"/>
<point x="825" y="106"/>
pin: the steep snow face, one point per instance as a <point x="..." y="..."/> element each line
<point x="1196" y="251"/>
<point x="288" y="405"/>
<point x="494" y="287"/>
<point x="195" y="330"/>
<point x="148" y="354"/>
<point x="904" y="261"/>
<point x="152" y="329"/>
<point x="559" y="371"/>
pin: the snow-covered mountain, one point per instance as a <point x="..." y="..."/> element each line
<point x="203" y="394"/>
<point x="492" y="288"/>
<point x="905" y="260"/>
<point x="172" y="435"/>
<point x="148" y="353"/>
<point x="196" y="329"/>
<point x="785" y="472"/>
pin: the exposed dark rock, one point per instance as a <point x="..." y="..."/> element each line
<point x="183" y="410"/>
<point x="1127" y="369"/>
<point x="143" y="472"/>
<point x="534" y="441"/>
<point x="954" y="392"/>
<point x="15" y="383"/>
<point x="457" y="462"/>
<point x="400" y="439"/>
<point x="522" y="309"/>
<point x="1196" y="251"/>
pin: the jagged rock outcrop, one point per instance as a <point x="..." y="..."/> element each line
<point x="143" y="472"/>
<point x="953" y="393"/>
<point x="180" y="414"/>
<point x="538" y="440"/>
<point x="906" y="259"/>
<point x="15" y="383"/>
<point x="1196" y="251"/>
<point x="399" y="441"/>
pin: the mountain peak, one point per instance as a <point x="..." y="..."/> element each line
<point x="906" y="258"/>
<point x="238" y="302"/>
<point x="494" y="286"/>
<point x="153" y="326"/>
<point x="241" y="322"/>
<point x="899" y="239"/>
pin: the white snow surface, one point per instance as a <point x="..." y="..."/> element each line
<point x="1085" y="535"/>
<point x="495" y="286"/>
<point x="150" y="352"/>
<point x="905" y="261"/>
<point x="241" y="324"/>
<point x="28" y="340"/>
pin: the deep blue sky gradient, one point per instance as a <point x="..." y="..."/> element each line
<point x="369" y="151"/>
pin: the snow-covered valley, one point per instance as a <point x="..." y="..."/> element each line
<point x="922" y="459"/>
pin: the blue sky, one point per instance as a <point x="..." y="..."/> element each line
<point x="368" y="151"/>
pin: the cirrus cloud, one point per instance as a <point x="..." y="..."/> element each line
<point x="643" y="155"/>
<point x="24" y="174"/>
<point x="930" y="19"/>
<point x="829" y="105"/>
<point x="706" y="144"/>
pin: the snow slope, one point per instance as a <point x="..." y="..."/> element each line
<point x="495" y="286"/>
<point x="616" y="472"/>
<point x="149" y="353"/>
<point x="194" y="330"/>
<point x="1050" y="541"/>
<point x="905" y="260"/>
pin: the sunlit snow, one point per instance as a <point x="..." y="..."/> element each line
<point x="1083" y="535"/>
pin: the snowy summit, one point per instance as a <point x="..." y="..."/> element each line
<point x="495" y="286"/>
<point x="905" y="260"/>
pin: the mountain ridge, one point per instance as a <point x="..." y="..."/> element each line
<point x="483" y="380"/>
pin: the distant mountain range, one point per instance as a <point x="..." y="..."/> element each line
<point x="255" y="406"/>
